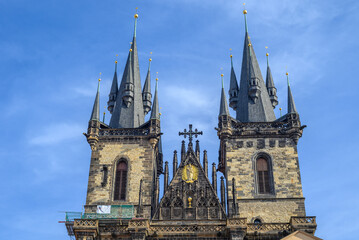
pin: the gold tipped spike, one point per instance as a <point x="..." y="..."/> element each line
<point x="222" y="75"/>
<point x="287" y="73"/>
<point x="100" y="77"/>
<point x="136" y="15"/>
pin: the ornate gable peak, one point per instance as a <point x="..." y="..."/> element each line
<point x="190" y="194"/>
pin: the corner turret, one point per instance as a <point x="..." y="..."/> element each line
<point x="272" y="91"/>
<point x="233" y="88"/>
<point x="146" y="92"/>
<point x="113" y="93"/>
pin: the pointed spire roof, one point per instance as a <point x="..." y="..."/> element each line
<point x="248" y="110"/>
<point x="114" y="86"/>
<point x="95" y="115"/>
<point x="269" y="77"/>
<point x="147" y="85"/>
<point x="223" y="108"/>
<point x="155" y="113"/>
<point x="291" y="105"/>
<point x="131" y="116"/>
<point x="233" y="82"/>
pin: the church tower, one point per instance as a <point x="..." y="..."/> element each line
<point x="259" y="195"/>
<point x="258" y="153"/>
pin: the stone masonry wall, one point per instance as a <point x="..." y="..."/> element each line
<point x="141" y="165"/>
<point x="240" y="164"/>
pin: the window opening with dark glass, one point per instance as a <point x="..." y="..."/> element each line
<point x="263" y="175"/>
<point x="121" y="181"/>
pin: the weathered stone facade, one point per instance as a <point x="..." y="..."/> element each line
<point x="141" y="160"/>
<point x="241" y="145"/>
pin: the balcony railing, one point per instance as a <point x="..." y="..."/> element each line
<point x="117" y="211"/>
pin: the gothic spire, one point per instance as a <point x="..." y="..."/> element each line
<point x="291" y="105"/>
<point x="254" y="104"/>
<point x="233" y="88"/>
<point x="146" y="92"/>
<point x="113" y="93"/>
<point x="155" y="113"/>
<point x="272" y="91"/>
<point x="128" y="111"/>
<point x="223" y="108"/>
<point x="95" y="115"/>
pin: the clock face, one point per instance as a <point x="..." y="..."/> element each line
<point x="103" y="209"/>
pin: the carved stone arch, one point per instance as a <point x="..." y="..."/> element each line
<point x="253" y="220"/>
<point x="269" y="159"/>
<point x="166" y="202"/>
<point x="201" y="202"/>
<point x="116" y="161"/>
<point x="177" y="202"/>
<point x="213" y="202"/>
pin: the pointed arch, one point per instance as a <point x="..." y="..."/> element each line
<point x="121" y="180"/>
<point x="263" y="174"/>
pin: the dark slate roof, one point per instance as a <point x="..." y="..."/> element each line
<point x="223" y="108"/>
<point x="269" y="78"/>
<point x="247" y="109"/>
<point x="114" y="87"/>
<point x="95" y="115"/>
<point x="233" y="82"/>
<point x="155" y="113"/>
<point x="147" y="85"/>
<point x="291" y="105"/>
<point x="132" y="116"/>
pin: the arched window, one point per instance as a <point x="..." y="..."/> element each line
<point x="121" y="181"/>
<point x="263" y="175"/>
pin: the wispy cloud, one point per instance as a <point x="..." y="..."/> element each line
<point x="56" y="133"/>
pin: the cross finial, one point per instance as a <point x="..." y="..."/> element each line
<point x="190" y="133"/>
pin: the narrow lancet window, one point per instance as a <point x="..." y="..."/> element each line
<point x="121" y="181"/>
<point x="263" y="176"/>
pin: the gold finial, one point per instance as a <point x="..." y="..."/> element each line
<point x="100" y="77"/>
<point x="280" y="109"/>
<point x="287" y="73"/>
<point x="136" y="15"/>
<point x="230" y="52"/>
<point x="249" y="44"/>
<point x="116" y="58"/>
<point x="189" y="202"/>
<point x="156" y="76"/>
<point x="222" y="75"/>
<point x="267" y="54"/>
<point x="244" y="11"/>
<point x="150" y="57"/>
<point x="130" y="49"/>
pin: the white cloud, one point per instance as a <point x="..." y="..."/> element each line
<point x="56" y="133"/>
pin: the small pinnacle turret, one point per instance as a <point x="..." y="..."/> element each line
<point x="155" y="114"/>
<point x="291" y="105"/>
<point x="113" y="93"/>
<point x="146" y="92"/>
<point x="233" y="88"/>
<point x="272" y="91"/>
<point x="95" y="115"/>
<point x="223" y="108"/>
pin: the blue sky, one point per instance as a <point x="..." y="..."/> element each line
<point x="51" y="53"/>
